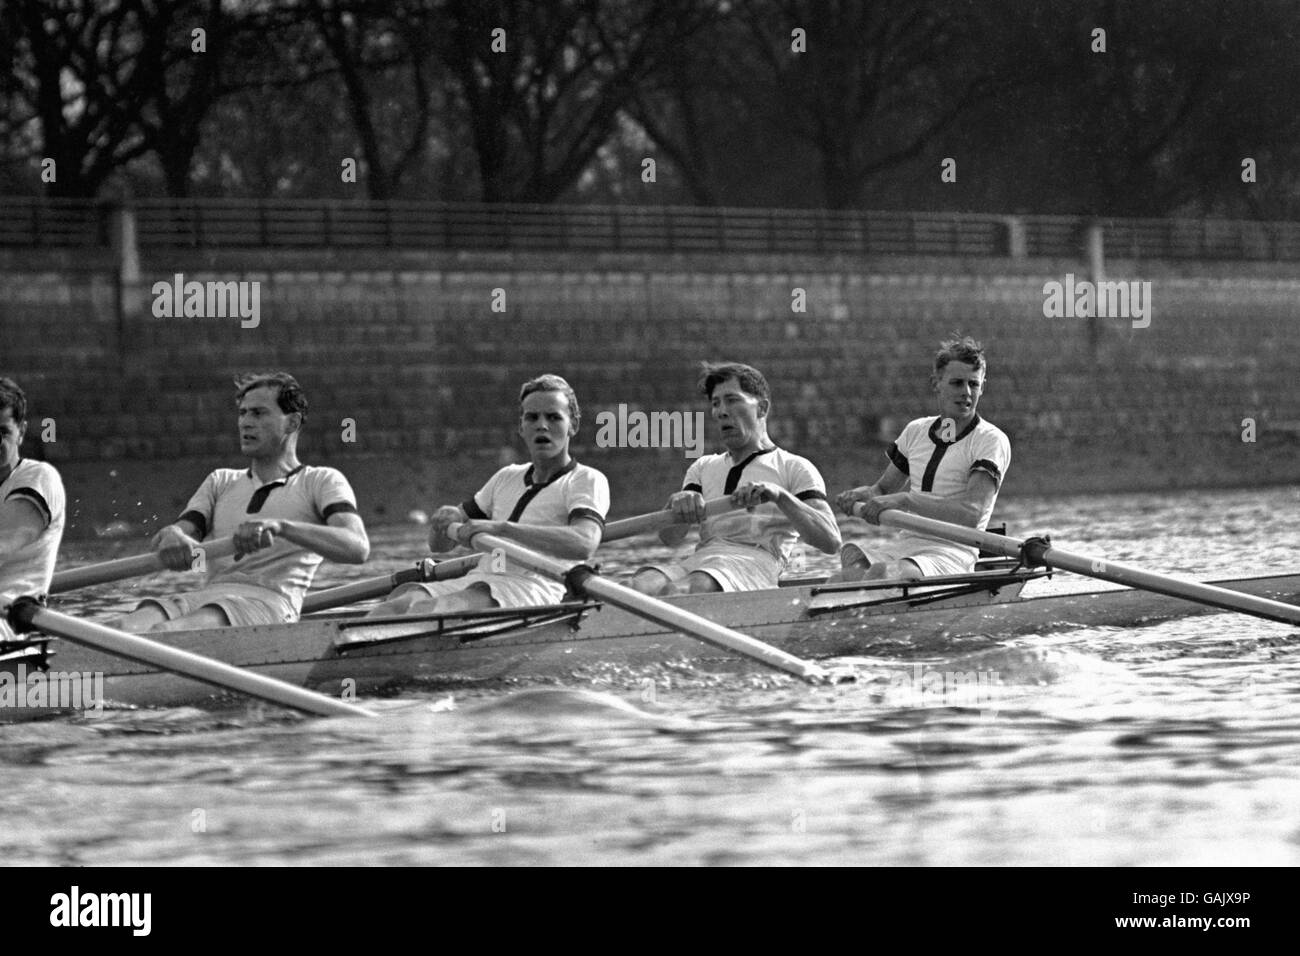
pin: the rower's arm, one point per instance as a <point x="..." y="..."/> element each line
<point x="814" y="521"/>
<point x="965" y="508"/>
<point x="342" y="538"/>
<point x="182" y="526"/>
<point x="892" y="480"/>
<point x="687" y="506"/>
<point x="21" y="523"/>
<point x="578" y="541"/>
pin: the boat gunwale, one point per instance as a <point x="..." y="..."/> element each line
<point x="789" y="595"/>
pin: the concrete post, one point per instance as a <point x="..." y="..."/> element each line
<point x="130" y="291"/>
<point x="1096" y="250"/>
<point x="1017" y="239"/>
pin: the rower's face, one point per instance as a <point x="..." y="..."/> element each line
<point x="263" y="426"/>
<point x="959" y="387"/>
<point x="545" y="425"/>
<point x="11" y="437"/>
<point x="739" y="415"/>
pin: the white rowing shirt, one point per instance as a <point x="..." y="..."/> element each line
<point x="576" y="491"/>
<point x="229" y="497"/>
<point x="29" y="569"/>
<point x="943" y="468"/>
<point x="765" y="527"/>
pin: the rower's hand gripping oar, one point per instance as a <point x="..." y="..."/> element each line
<point x="428" y="570"/>
<point x="26" y="613"/>
<point x="1041" y="551"/>
<point x="583" y="579"/>
<point x="657" y="520"/>
<point x="121" y="568"/>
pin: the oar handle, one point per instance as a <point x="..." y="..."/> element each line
<point x="972" y="537"/>
<point x="425" y="570"/>
<point x="453" y="567"/>
<point x="355" y="591"/>
<point x="122" y="568"/>
<point x="629" y="527"/>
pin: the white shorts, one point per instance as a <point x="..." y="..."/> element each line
<point x="734" y="567"/>
<point x="932" y="557"/>
<point x="508" y="590"/>
<point x="246" y="605"/>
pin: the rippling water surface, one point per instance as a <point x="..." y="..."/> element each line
<point x="1177" y="743"/>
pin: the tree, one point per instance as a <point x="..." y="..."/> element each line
<point x="376" y="46"/>
<point x="70" y="84"/>
<point x="876" y="81"/>
<point x="1159" y="122"/>
<point x="96" y="86"/>
<point x="177" y="84"/>
<point x="539" y="106"/>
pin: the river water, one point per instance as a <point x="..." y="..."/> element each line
<point x="1176" y="743"/>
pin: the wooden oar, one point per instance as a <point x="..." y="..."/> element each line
<point x="424" y="570"/>
<point x="427" y="570"/>
<point x="122" y="568"/>
<point x="583" y="580"/>
<point x="1041" y="552"/>
<point x="655" y="520"/>
<point x="28" y="613"/>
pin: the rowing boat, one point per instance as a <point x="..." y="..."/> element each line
<point x="349" y="653"/>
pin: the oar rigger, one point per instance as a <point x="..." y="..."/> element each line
<point x="32" y="651"/>
<point x="1033" y="549"/>
<point x="20" y="613"/>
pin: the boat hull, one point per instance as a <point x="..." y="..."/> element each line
<point x="359" y="656"/>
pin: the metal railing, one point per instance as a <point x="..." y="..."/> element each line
<point x="315" y="224"/>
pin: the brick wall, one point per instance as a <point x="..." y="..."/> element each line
<point x="408" y="347"/>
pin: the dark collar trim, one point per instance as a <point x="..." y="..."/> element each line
<point x="938" y="422"/>
<point x="733" y="476"/>
<point x="528" y="475"/>
<point x="531" y="490"/>
<point x="282" y="479"/>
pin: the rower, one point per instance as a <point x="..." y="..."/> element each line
<point x="952" y="465"/>
<point x="784" y="494"/>
<point x="31" y="509"/>
<point x="285" y="518"/>
<point x="552" y="504"/>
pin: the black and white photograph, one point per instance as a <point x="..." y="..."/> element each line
<point x="653" y="433"/>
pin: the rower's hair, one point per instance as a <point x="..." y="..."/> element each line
<point x="553" y="383"/>
<point x="13" y="398"/>
<point x="750" y="379"/>
<point x="289" y="394"/>
<point x="959" y="348"/>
